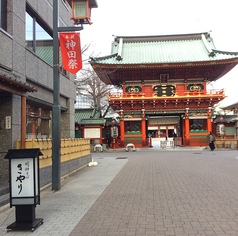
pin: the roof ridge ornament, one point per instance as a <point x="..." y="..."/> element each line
<point x="119" y="53"/>
<point x="209" y="49"/>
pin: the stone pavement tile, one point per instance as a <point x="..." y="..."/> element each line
<point x="62" y="210"/>
<point x="153" y="193"/>
<point x="179" y="193"/>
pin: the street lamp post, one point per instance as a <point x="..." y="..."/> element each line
<point x="84" y="18"/>
<point x="56" y="109"/>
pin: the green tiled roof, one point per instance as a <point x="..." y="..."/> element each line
<point x="225" y="119"/>
<point x="45" y="53"/>
<point x="44" y="50"/>
<point x="93" y="122"/>
<point x="163" y="49"/>
<point x="89" y="116"/>
<point x="83" y="114"/>
<point x="232" y="106"/>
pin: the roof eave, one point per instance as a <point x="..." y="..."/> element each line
<point x="164" y="64"/>
<point x="161" y="37"/>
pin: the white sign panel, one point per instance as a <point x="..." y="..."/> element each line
<point x="114" y="132"/>
<point x="92" y="133"/>
<point x="22" y="177"/>
<point x="8" y="122"/>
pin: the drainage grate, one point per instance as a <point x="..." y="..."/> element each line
<point x="121" y="157"/>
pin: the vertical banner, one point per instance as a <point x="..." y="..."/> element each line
<point x="71" y="51"/>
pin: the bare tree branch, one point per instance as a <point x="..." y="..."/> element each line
<point x="89" y="85"/>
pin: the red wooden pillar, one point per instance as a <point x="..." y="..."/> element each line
<point x="143" y="129"/>
<point x="33" y="129"/>
<point x="209" y="120"/>
<point x="187" y="128"/>
<point x="187" y="135"/>
<point x="122" y="131"/>
<point x="209" y="124"/>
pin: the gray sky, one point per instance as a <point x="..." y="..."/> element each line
<point x="157" y="17"/>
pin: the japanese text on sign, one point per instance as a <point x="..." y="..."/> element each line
<point x="23" y="173"/>
<point x="8" y="122"/>
<point x="22" y="177"/>
<point x="71" y="52"/>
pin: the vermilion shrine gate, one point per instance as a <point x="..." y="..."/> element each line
<point x="163" y="81"/>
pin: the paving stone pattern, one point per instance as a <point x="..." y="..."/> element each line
<point x="176" y="193"/>
<point x="148" y="193"/>
<point x="62" y="210"/>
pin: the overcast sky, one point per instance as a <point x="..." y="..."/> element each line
<point x="157" y="17"/>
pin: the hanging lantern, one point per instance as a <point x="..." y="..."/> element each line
<point x="114" y="132"/>
<point x="221" y="130"/>
<point x="81" y="11"/>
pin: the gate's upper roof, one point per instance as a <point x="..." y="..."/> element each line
<point x="182" y="48"/>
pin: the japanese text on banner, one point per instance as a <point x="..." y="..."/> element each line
<point x="71" y="52"/>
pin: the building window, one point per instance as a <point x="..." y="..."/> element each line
<point x="38" y="122"/>
<point x="38" y="39"/>
<point x="3" y="16"/>
<point x="83" y="101"/>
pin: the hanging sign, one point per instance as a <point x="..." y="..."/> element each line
<point x="71" y="51"/>
<point x="114" y="132"/>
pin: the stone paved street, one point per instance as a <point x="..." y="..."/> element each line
<point x="147" y="192"/>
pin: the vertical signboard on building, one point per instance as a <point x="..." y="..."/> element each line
<point x="8" y="122"/>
